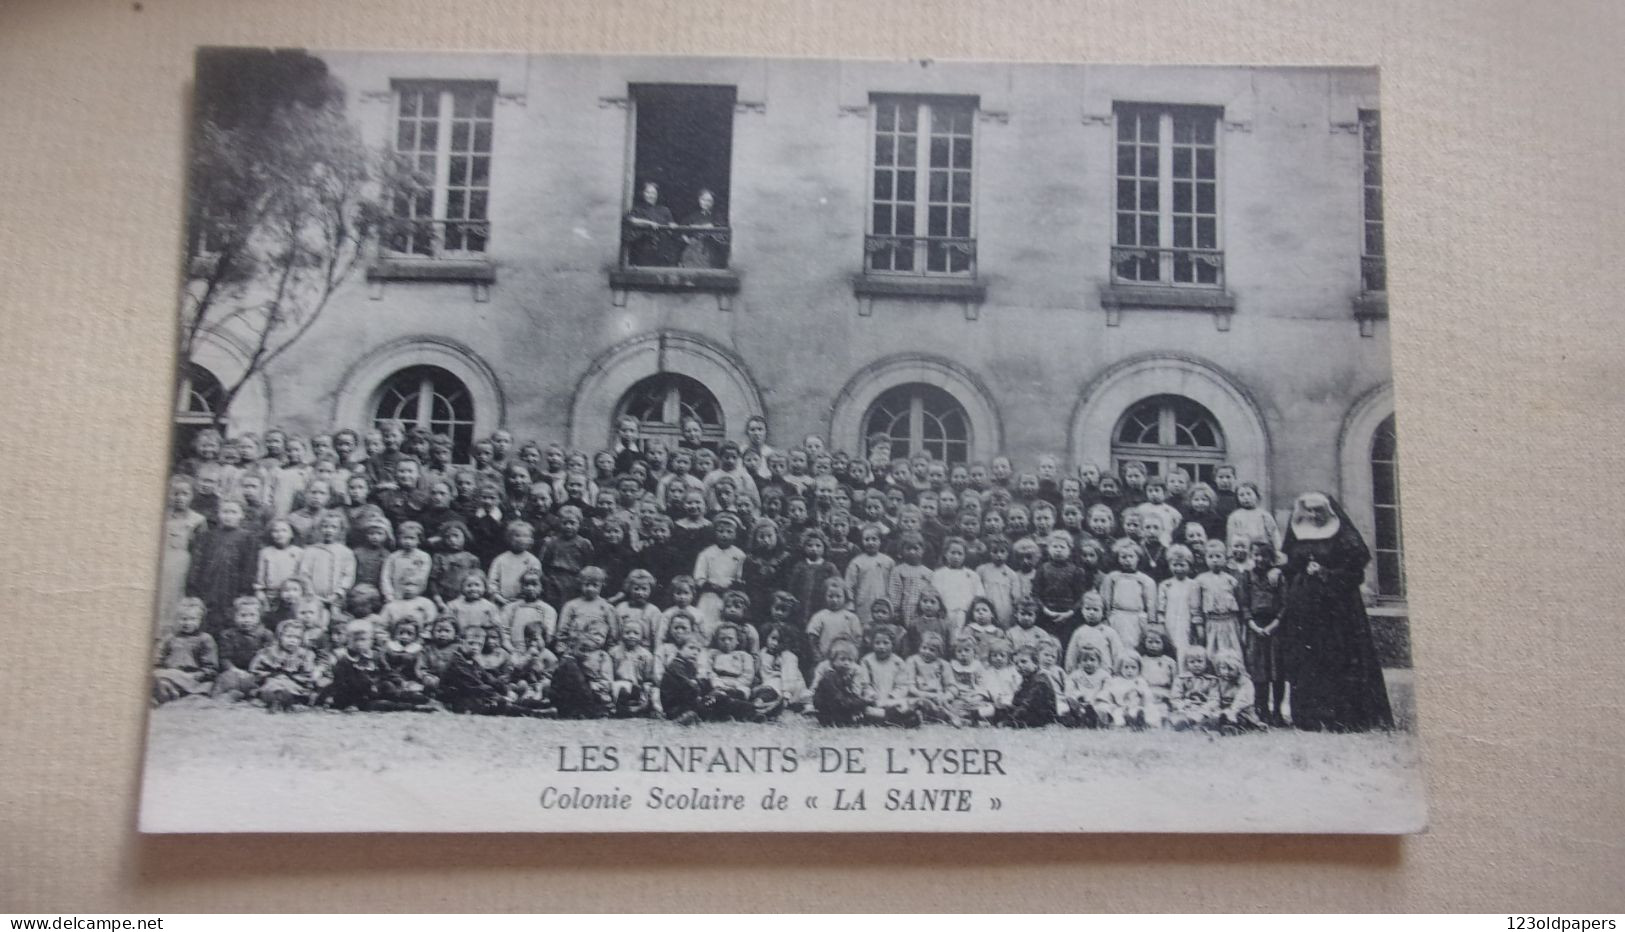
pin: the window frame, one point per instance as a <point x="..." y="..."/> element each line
<point x="1373" y="264"/>
<point x="916" y="414"/>
<point x="922" y="188"/>
<point x="670" y="432"/>
<point x="426" y="394"/>
<point x="1395" y="506"/>
<point x="722" y="235"/>
<point x="1166" y="252"/>
<point x="440" y="187"/>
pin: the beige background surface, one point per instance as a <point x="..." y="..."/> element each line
<point x="1504" y="127"/>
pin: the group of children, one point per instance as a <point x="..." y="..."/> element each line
<point x="369" y="571"/>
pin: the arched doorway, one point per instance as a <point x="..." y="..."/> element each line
<point x="920" y="417"/>
<point x="431" y="398"/>
<point x="662" y="402"/>
<point x="1166" y="432"/>
<point x="199" y="404"/>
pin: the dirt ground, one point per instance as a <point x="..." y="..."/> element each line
<point x="213" y="768"/>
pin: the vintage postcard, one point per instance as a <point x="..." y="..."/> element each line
<point x="626" y="444"/>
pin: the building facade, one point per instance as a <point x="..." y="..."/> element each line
<point x="1177" y="265"/>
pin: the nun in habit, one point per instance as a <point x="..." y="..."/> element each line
<point x="1332" y="663"/>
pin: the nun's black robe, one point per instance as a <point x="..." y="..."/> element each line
<point x="1332" y="664"/>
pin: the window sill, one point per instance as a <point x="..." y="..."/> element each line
<point x="724" y="283"/>
<point x="476" y="271"/>
<point x="1217" y="301"/>
<point x="1370" y="307"/>
<point x="969" y="292"/>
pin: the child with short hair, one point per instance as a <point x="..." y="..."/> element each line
<point x="1086" y="689"/>
<point x="843" y="696"/>
<point x="683" y="683"/>
<point x="412" y="603"/>
<point x="1025" y="632"/>
<point x="926" y="681"/>
<point x="868" y="574"/>
<point x="809" y="576"/>
<point x="527" y="619"/>
<point x="1178" y="600"/>
<point x="832" y="622"/>
<point x="1034" y="702"/>
<point x="473" y="608"/>
<point x="1127" y="702"/>
<point x="237" y="647"/>
<point x="408" y="564"/>
<point x="636" y="609"/>
<point x="403" y="655"/>
<point x="186" y="661"/>
<point x="451" y="562"/>
<point x="1002" y="585"/>
<point x="467" y="687"/>
<point x="565" y="557"/>
<point x="718" y="568"/>
<point x="1159" y="666"/>
<point x="968" y="698"/>
<point x="509" y="567"/>
<point x="1199" y="509"/>
<point x="1094" y="633"/>
<point x="377" y="540"/>
<point x="1130" y="595"/>
<point x="909" y="578"/>
<point x="1248" y="519"/>
<point x="780" y="683"/>
<point x="957" y="584"/>
<point x="283" y="670"/>
<point x="981" y="625"/>
<point x="1221" y="602"/>
<point x="224" y="565"/>
<point x="635" y="682"/>
<point x="1264" y="661"/>
<point x="278" y="560"/>
<point x="1058" y="585"/>
<point x="885" y="670"/>
<point x="1236" y="711"/>
<point x="327" y="566"/>
<point x="732" y="676"/>
<point x="589" y="611"/>
<point x="584" y="683"/>
<point x="1195" y="696"/>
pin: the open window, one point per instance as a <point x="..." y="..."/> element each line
<point x="678" y="198"/>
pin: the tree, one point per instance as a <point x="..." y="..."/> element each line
<point x="285" y="197"/>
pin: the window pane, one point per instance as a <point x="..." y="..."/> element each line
<point x="939" y="186"/>
<point x="1205" y="198"/>
<point x="885" y="117"/>
<point x="1182" y="163"/>
<point x="1149" y="160"/>
<point x="1205" y="163"/>
<point x="905" y="219"/>
<point x="1148" y="195"/>
<point x="482" y="137"/>
<point x="961" y="221"/>
<point x="1125" y="195"/>
<point x="939" y="152"/>
<point x="962" y="152"/>
<point x="1182" y="197"/>
<point x="908" y="118"/>
<point x="961" y="192"/>
<point x="905" y="185"/>
<point x="938" y="222"/>
<point x="883" y="189"/>
<point x="459" y="137"/>
<point x="882" y="220"/>
<point x="885" y="150"/>
<point x="908" y="151"/>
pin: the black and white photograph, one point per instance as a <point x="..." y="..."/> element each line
<point x="617" y="443"/>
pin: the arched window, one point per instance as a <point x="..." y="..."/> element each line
<point x="431" y="398"/>
<point x="918" y="417"/>
<point x="1389" y="546"/>
<point x="199" y="400"/>
<point x="661" y="402"/>
<point x="1165" y="431"/>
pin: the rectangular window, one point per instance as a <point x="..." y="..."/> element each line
<point x="444" y="132"/>
<point x="1373" y="267"/>
<point x="681" y="165"/>
<point x="921" y="170"/>
<point x="1167" y="213"/>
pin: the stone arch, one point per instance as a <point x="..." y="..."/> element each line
<point x="357" y="397"/>
<point x="849" y="407"/>
<point x="226" y="360"/>
<point x="616" y="370"/>
<point x="1104" y="400"/>
<point x="1354" y="482"/>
